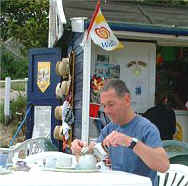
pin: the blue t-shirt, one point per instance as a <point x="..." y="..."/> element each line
<point x="123" y="158"/>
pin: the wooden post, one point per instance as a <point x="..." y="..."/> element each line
<point x="26" y="80"/>
<point x="7" y="99"/>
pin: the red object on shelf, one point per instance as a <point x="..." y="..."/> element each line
<point x="93" y="110"/>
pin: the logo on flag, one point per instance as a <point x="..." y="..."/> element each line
<point x="100" y="32"/>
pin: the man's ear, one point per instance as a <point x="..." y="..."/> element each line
<point x="127" y="98"/>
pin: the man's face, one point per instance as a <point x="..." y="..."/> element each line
<point x="115" y="107"/>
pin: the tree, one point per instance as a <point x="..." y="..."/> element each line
<point x="8" y="62"/>
<point x="26" y="21"/>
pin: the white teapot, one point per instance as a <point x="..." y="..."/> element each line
<point x="89" y="161"/>
<point x="86" y="162"/>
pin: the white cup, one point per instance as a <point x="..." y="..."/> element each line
<point x="64" y="162"/>
<point x="51" y="162"/>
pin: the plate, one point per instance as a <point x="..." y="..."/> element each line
<point x="67" y="168"/>
<point x="79" y="171"/>
<point x="4" y="171"/>
<point x="71" y="170"/>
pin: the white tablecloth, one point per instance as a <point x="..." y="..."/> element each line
<point x="50" y="178"/>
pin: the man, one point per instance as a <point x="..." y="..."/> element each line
<point x="134" y="142"/>
<point x="163" y="116"/>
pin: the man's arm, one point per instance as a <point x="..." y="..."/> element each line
<point x="155" y="158"/>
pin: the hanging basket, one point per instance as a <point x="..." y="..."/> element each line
<point x="63" y="68"/>
<point x="58" y="112"/>
<point x="62" y="89"/>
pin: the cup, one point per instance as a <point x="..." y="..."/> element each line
<point x="50" y="162"/>
<point x="3" y="159"/>
<point x="64" y="162"/>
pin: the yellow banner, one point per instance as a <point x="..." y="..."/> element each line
<point x="43" y="75"/>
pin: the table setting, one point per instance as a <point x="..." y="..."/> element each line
<point x="61" y="169"/>
<point x="61" y="162"/>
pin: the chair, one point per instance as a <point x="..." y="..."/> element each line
<point x="30" y="147"/>
<point x="177" y="151"/>
<point x="177" y="175"/>
<point x="180" y="159"/>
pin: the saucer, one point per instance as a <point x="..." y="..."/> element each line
<point x="67" y="168"/>
<point x="83" y="171"/>
<point x="4" y="171"/>
<point x="71" y="170"/>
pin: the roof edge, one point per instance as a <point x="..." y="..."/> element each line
<point x="148" y="28"/>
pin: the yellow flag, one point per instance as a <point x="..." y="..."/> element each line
<point x="100" y="32"/>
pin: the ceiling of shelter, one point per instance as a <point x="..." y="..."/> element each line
<point x="132" y="11"/>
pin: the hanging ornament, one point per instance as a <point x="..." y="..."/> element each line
<point x="136" y="67"/>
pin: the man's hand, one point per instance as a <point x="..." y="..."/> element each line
<point x="91" y="146"/>
<point x="116" y="138"/>
<point x="76" y="146"/>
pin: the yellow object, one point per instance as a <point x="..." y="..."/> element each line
<point x="179" y="132"/>
<point x="43" y="76"/>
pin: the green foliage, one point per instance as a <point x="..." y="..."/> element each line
<point x="27" y="21"/>
<point x="2" y="117"/>
<point x="17" y="105"/>
<point x="13" y="67"/>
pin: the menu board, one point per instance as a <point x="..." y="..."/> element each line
<point x="42" y="121"/>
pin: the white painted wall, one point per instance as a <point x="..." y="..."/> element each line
<point x="134" y="51"/>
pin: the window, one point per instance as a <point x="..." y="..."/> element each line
<point x="172" y="75"/>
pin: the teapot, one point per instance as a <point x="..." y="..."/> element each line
<point x="88" y="160"/>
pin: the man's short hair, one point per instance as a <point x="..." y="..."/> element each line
<point x="118" y="85"/>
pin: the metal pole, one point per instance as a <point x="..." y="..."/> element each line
<point x="86" y="92"/>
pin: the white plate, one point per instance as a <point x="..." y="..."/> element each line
<point x="80" y="171"/>
<point x="4" y="171"/>
<point x="71" y="170"/>
<point x="58" y="167"/>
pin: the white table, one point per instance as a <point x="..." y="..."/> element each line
<point x="51" y="178"/>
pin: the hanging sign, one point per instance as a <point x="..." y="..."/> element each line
<point x="42" y="121"/>
<point x="43" y="76"/>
